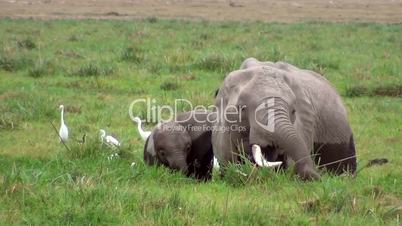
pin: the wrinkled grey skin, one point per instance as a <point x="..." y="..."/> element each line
<point x="183" y="145"/>
<point x="308" y="114"/>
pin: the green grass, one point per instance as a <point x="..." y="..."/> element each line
<point x="96" y="68"/>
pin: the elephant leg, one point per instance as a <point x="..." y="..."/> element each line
<point x="336" y="158"/>
<point x="200" y="163"/>
<point x="283" y="158"/>
<point x="203" y="170"/>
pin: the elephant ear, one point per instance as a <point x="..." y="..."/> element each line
<point x="149" y="151"/>
<point x="304" y="113"/>
<point x="332" y="126"/>
<point x="233" y="85"/>
<point x="282" y="73"/>
<point x="320" y="113"/>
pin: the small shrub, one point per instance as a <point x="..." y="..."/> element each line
<point x="7" y="63"/>
<point x="31" y="106"/>
<point x="152" y="20"/>
<point x="37" y="71"/>
<point x="89" y="70"/>
<point x="175" y="201"/>
<point x="113" y="13"/>
<point x="205" y="36"/>
<point x="324" y="62"/>
<point x="238" y="175"/>
<point x="216" y="62"/>
<point x="276" y="54"/>
<point x="317" y="68"/>
<point x="156" y="68"/>
<point x="26" y="44"/>
<point x="8" y="123"/>
<point x="94" y="69"/>
<point x="74" y="38"/>
<point x="198" y="44"/>
<point x="272" y="54"/>
<point x="11" y="62"/>
<point x="169" y="85"/>
<point x="393" y="90"/>
<point x="88" y="147"/>
<point x="132" y="54"/>
<point x="69" y="53"/>
<point x="330" y="201"/>
<point x="189" y="77"/>
<point x="355" y="91"/>
<point x="40" y="69"/>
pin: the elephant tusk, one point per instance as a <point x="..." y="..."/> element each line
<point x="216" y="163"/>
<point x="259" y="158"/>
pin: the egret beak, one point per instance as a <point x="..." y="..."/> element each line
<point x="259" y="158"/>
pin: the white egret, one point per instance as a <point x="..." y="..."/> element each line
<point x="63" y="131"/>
<point x="110" y="140"/>
<point x="144" y="134"/>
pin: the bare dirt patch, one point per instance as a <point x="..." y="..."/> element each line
<point x="381" y="11"/>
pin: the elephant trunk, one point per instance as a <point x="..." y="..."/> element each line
<point x="277" y="129"/>
<point x="180" y="164"/>
<point x="287" y="139"/>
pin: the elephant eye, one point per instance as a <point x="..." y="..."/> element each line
<point x="292" y="115"/>
<point x="162" y="152"/>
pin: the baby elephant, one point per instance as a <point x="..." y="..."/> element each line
<point x="183" y="144"/>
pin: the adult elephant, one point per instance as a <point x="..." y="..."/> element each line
<point x="287" y="112"/>
<point x="183" y="144"/>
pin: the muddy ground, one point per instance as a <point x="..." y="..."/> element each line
<point x="381" y="11"/>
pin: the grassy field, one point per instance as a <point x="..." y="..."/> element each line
<point x="96" y="68"/>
